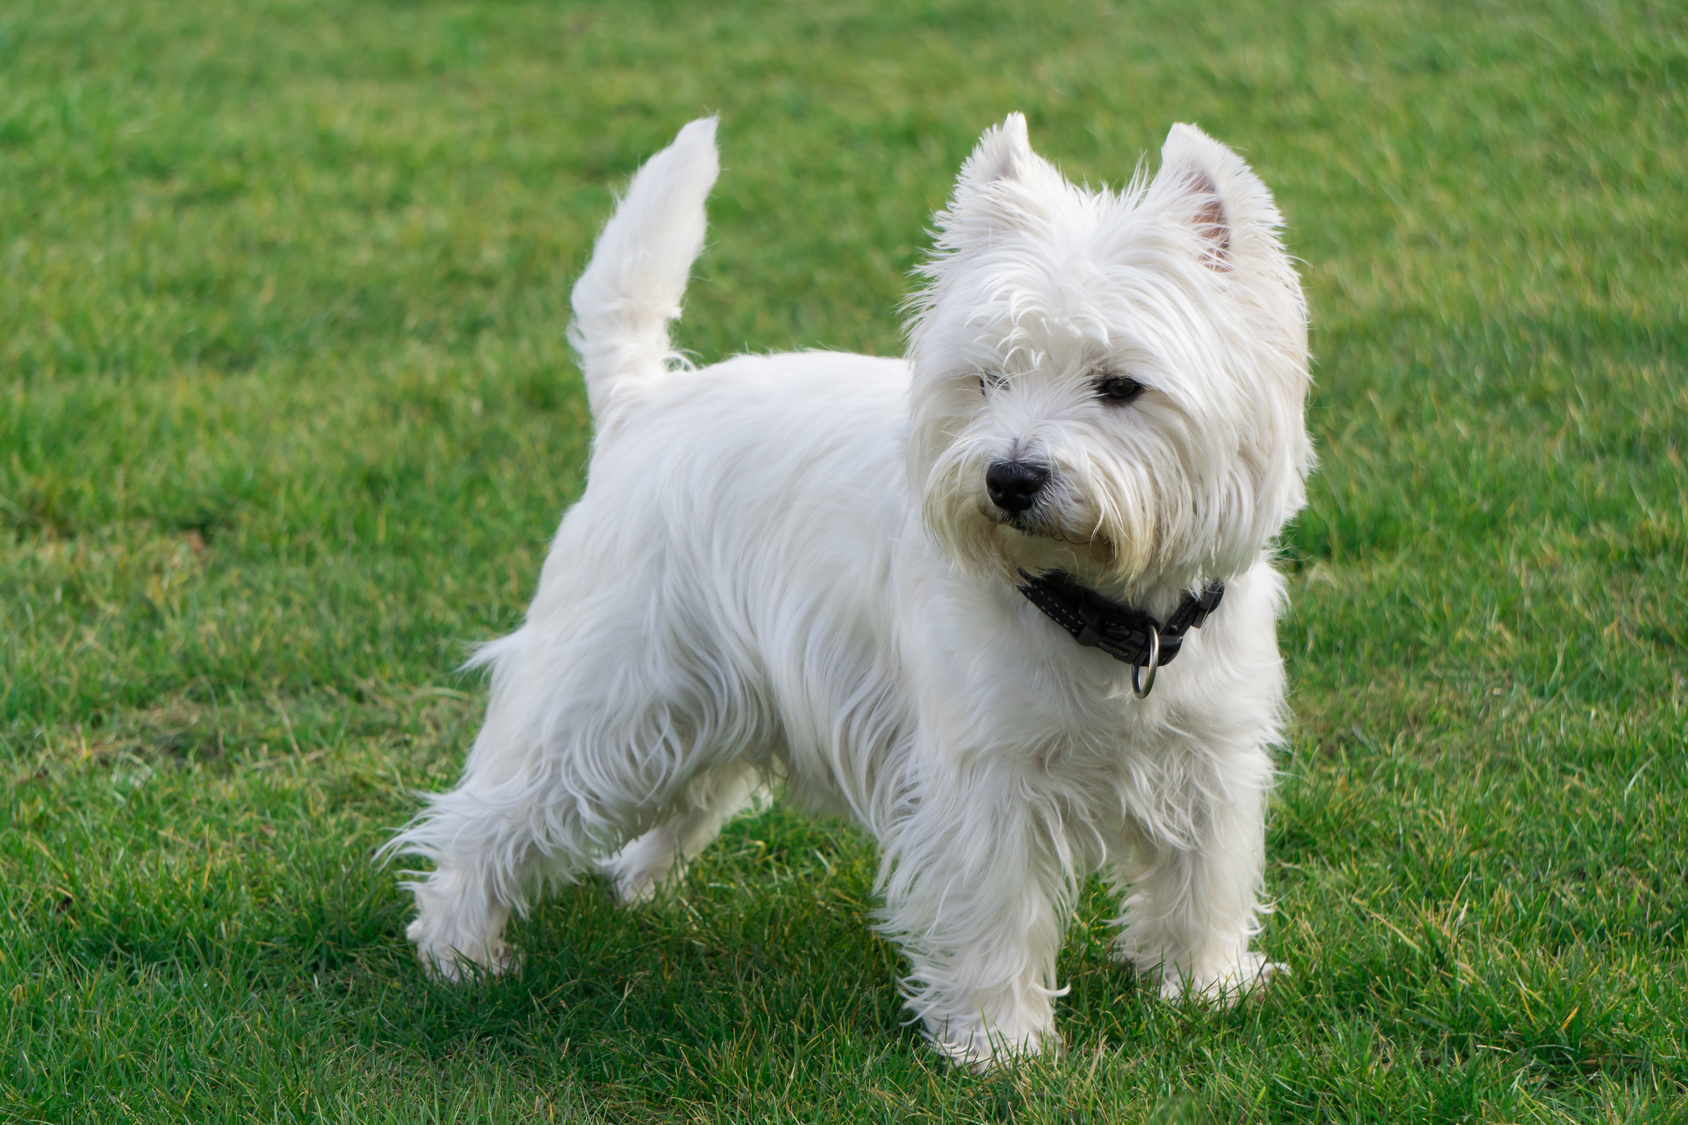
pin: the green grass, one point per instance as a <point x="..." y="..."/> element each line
<point x="286" y="418"/>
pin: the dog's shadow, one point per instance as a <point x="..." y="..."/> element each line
<point x="761" y="960"/>
<point x="760" y="965"/>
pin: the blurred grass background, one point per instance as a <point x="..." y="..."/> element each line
<point x="286" y="418"/>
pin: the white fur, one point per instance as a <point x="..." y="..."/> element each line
<point x="787" y="567"/>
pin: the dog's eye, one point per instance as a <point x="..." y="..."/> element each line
<point x="989" y="379"/>
<point x="1118" y="389"/>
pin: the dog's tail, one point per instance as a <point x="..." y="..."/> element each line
<point x="632" y="288"/>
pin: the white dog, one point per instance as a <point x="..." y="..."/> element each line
<point x="929" y="593"/>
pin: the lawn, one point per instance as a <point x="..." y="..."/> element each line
<point x="287" y="416"/>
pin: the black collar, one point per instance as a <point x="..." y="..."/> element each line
<point x="1128" y="635"/>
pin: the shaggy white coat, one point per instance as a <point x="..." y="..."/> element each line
<point x="787" y="569"/>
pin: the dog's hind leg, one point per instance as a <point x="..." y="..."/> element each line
<point x="595" y="732"/>
<point x="494" y="841"/>
<point x="487" y="844"/>
<point x="660" y="855"/>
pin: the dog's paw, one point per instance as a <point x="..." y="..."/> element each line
<point x="1225" y="984"/>
<point x="985" y="1049"/>
<point x="636" y="872"/>
<point x="453" y="962"/>
<point x="633" y="888"/>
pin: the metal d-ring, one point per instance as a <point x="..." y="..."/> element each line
<point x="1142" y="690"/>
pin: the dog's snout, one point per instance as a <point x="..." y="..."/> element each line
<point x="1014" y="485"/>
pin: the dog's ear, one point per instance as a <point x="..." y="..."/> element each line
<point x="1003" y="153"/>
<point x="997" y="187"/>
<point x="1207" y="189"/>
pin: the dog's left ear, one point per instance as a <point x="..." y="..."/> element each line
<point x="1207" y="190"/>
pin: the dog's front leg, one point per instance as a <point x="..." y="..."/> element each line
<point x="1191" y="904"/>
<point x="977" y="897"/>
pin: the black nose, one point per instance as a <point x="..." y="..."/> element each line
<point x="1014" y="485"/>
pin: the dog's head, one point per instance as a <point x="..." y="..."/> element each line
<point x="1109" y="384"/>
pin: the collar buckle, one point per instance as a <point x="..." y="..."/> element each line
<point x="1128" y="635"/>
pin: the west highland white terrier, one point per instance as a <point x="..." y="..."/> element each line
<point x="932" y="594"/>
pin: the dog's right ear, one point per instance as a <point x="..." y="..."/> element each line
<point x="993" y="189"/>
<point x="1003" y="153"/>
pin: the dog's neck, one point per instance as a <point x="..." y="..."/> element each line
<point x="1131" y="636"/>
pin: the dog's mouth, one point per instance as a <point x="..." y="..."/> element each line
<point x="1048" y="541"/>
<point x="1037" y="524"/>
<point x="1029" y="522"/>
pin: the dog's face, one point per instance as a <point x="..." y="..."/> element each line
<point x="1109" y="385"/>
